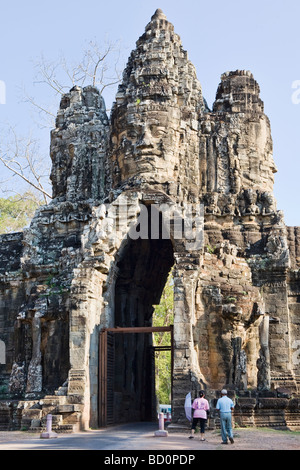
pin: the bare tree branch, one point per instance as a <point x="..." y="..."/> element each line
<point x="21" y="175"/>
<point x="98" y="66"/>
<point x="96" y="63"/>
<point x="19" y="159"/>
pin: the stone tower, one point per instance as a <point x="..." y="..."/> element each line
<point x="163" y="183"/>
<point x="155" y="117"/>
<point x="79" y="146"/>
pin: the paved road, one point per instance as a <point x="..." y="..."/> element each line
<point x="140" y="437"/>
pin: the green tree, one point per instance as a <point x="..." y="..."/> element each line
<point x="17" y="211"/>
<point x="163" y="316"/>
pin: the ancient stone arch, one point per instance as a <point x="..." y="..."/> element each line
<point x="86" y="263"/>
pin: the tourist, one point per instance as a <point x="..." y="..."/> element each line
<point x="201" y="410"/>
<point x="225" y="406"/>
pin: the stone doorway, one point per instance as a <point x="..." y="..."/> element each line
<point x="110" y="398"/>
<point x="141" y="272"/>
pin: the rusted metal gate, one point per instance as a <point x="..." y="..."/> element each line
<point x="106" y="367"/>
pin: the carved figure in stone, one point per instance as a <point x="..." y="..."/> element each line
<point x="212" y="204"/>
<point x="239" y="364"/>
<point x="251" y="199"/>
<point x="17" y="380"/>
<point x="237" y="181"/>
<point x="277" y="248"/>
<point x="263" y="362"/>
<point x="230" y="207"/>
<point x="275" y="245"/>
<point x="236" y="176"/>
<point x="226" y="248"/>
<point x="35" y="370"/>
<point x="279" y="219"/>
<point x="268" y="203"/>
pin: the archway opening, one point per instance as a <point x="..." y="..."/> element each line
<point x="143" y="269"/>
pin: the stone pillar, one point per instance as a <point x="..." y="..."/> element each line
<point x="186" y="368"/>
<point x="85" y="318"/>
<point x="276" y="299"/>
<point x="263" y="363"/>
<point x="34" y="375"/>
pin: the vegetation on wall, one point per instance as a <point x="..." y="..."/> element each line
<point x="163" y="316"/>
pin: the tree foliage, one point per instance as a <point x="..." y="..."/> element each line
<point x="16" y="212"/>
<point x="164" y="316"/>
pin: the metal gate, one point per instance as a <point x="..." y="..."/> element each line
<point x="106" y="367"/>
<point x="106" y="378"/>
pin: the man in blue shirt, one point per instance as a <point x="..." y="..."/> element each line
<point x="225" y="405"/>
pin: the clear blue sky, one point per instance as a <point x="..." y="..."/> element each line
<point x="261" y="36"/>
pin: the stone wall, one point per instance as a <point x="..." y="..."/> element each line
<point x="12" y="294"/>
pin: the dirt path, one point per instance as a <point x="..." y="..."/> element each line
<point x="141" y="437"/>
<point x="252" y="439"/>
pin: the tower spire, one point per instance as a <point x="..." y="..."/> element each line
<point x="159" y="14"/>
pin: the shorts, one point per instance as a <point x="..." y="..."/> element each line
<point x="202" y="424"/>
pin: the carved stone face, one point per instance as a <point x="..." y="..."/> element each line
<point x="149" y="143"/>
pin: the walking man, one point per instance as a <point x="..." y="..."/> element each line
<point x="225" y="406"/>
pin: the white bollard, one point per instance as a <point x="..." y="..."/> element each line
<point x="161" y="432"/>
<point x="49" y="433"/>
<point x="49" y="424"/>
<point x="161" y="421"/>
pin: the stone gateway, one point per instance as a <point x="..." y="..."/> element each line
<point x="163" y="183"/>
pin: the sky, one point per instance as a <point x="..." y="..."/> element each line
<point x="261" y="36"/>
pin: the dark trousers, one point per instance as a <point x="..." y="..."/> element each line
<point x="202" y="424"/>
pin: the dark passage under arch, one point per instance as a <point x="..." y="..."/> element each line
<point x="143" y="267"/>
